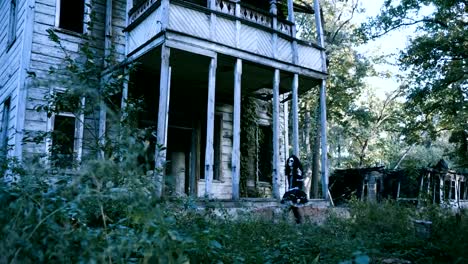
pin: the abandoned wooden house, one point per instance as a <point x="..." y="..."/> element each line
<point x="196" y="59"/>
<point x="439" y="185"/>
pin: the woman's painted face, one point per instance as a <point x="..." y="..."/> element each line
<point x="290" y="162"/>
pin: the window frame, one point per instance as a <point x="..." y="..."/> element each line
<point x="218" y="148"/>
<point x="12" y="23"/>
<point x="78" y="134"/>
<point x="86" y="17"/>
<point x="4" y="122"/>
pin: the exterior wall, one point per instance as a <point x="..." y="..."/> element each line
<point x="46" y="54"/>
<point x="12" y="71"/>
<point x="222" y="188"/>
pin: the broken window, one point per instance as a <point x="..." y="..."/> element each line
<point x="63" y="141"/>
<point x="4" y="128"/>
<point x="265" y="153"/>
<point x="217" y="145"/>
<point x="67" y="132"/>
<point x="217" y="150"/>
<point x="12" y="23"/>
<point x="71" y="15"/>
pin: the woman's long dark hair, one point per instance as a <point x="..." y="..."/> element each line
<point x="296" y="164"/>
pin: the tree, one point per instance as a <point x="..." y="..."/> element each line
<point x="437" y="62"/>
<point x="367" y="127"/>
<point x="346" y="67"/>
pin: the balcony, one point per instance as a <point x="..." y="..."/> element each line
<point x="228" y="27"/>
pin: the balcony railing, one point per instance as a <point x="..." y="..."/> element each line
<point x="255" y="34"/>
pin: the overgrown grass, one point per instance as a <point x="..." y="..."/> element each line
<point x="106" y="213"/>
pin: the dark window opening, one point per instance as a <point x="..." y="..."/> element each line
<point x="4" y="128"/>
<point x="217" y="144"/>
<point x="72" y="15"/>
<point x="463" y="191"/>
<point x="217" y="164"/>
<point x="12" y="23"/>
<point x="265" y="153"/>
<point x="63" y="141"/>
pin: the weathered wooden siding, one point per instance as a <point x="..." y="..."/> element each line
<point x="222" y="188"/>
<point x="46" y="54"/>
<point x="11" y="62"/>
<point x="146" y="30"/>
<point x="118" y="24"/>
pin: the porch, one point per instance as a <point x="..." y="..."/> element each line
<point x="196" y="64"/>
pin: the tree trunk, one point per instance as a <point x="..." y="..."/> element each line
<point x="316" y="156"/>
<point x="362" y="155"/>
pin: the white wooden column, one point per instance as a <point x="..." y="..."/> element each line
<point x="238" y="24"/>
<point x="286" y="125"/>
<point x="210" y="128"/>
<point x="79" y="132"/>
<point x="292" y="19"/>
<point x="274" y="12"/>
<point x="441" y="188"/>
<point x="295" y="113"/>
<point x="211" y="5"/>
<point x="323" y="106"/>
<point x="276" y="134"/>
<point x="163" y="112"/>
<point x="236" y="130"/>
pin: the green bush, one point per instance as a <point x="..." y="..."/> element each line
<point x="106" y="212"/>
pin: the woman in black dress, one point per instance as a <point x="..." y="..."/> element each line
<point x="295" y="197"/>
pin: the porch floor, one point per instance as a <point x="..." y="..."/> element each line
<point x="315" y="211"/>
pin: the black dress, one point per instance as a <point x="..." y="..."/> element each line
<point x="295" y="196"/>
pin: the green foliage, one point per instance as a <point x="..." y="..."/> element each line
<point x="248" y="148"/>
<point x="107" y="213"/>
<point x="436" y="88"/>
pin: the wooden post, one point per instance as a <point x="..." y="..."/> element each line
<point x="286" y="125"/>
<point x="421" y="184"/>
<point x="195" y="159"/>
<point x="286" y="134"/>
<point x="102" y="104"/>
<point x="163" y="112"/>
<point x="291" y="18"/>
<point x="398" y="190"/>
<point x="79" y="132"/>
<point x="441" y="188"/>
<point x="276" y="165"/>
<point x="323" y="107"/>
<point x="238" y="24"/>
<point x="295" y="113"/>
<point x="274" y="12"/>
<point x="164" y="14"/>
<point x="211" y="5"/>
<point x="210" y="128"/>
<point x="236" y="130"/>
<point x="108" y="30"/>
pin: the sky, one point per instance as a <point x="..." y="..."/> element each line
<point x="389" y="44"/>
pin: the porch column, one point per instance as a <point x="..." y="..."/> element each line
<point x="323" y="106"/>
<point x="210" y="128"/>
<point x="163" y="112"/>
<point x="292" y="19"/>
<point x="274" y="23"/>
<point x="276" y="134"/>
<point x="236" y="130"/>
<point x="286" y="125"/>
<point x="295" y="112"/>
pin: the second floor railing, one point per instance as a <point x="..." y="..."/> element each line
<point x="228" y="7"/>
